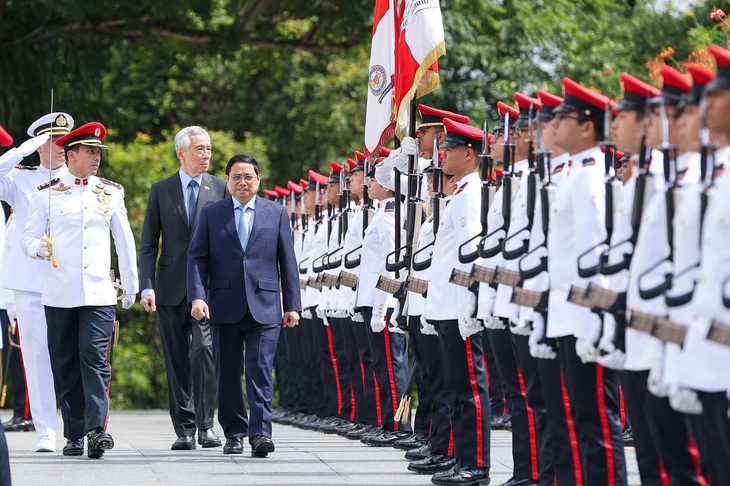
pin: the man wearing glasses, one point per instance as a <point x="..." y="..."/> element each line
<point x="172" y="211"/>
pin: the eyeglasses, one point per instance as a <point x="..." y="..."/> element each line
<point x="248" y="178"/>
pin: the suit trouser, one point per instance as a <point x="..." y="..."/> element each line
<point x="466" y="385"/>
<point x="365" y="395"/>
<point x="77" y="342"/>
<point x="429" y="359"/>
<point x="711" y="431"/>
<point x="21" y="404"/>
<point x="423" y="349"/>
<point x="188" y="352"/>
<point x="660" y="435"/>
<point x="501" y="342"/>
<point x="328" y="397"/>
<point x="308" y="384"/>
<point x="531" y="390"/>
<point x="390" y="362"/>
<point x="5" y="479"/>
<point x="37" y="362"/>
<point x="348" y="364"/>
<point x="594" y="402"/>
<point x="245" y="347"/>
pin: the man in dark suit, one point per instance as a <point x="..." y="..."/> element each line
<point x="172" y="210"/>
<point x="241" y="273"/>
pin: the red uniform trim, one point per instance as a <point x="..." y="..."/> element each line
<point x="477" y="403"/>
<point x="378" y="407"/>
<point x="571" y="433"/>
<point x="695" y="455"/>
<point x="391" y="377"/>
<point x="531" y="427"/>
<point x="331" y="346"/>
<point x="601" y="393"/>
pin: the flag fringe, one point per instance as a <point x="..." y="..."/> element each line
<point x="418" y="89"/>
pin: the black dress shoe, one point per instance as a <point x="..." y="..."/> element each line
<point x="233" y="446"/>
<point x="519" y="482"/>
<point x="421" y="453"/>
<point x="207" y="438"/>
<point x="99" y="441"/>
<point x="346" y="428"/>
<point x="387" y="438"/>
<point x="432" y="464"/>
<point x="261" y="446"/>
<point x="413" y="442"/>
<point x="17" y="424"/>
<point x="463" y="476"/>
<point x="74" y="448"/>
<point x="358" y="434"/>
<point x="184" y="443"/>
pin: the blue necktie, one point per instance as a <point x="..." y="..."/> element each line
<point x="244" y="231"/>
<point x="192" y="202"/>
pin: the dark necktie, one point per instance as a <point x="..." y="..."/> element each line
<point x="192" y="202"/>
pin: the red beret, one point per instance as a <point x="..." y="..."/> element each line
<point x="303" y="182"/>
<point x="294" y="187"/>
<point x="281" y="192"/>
<point x="384" y="151"/>
<point x="462" y="134"/>
<point x="359" y="155"/>
<point x="549" y="99"/>
<point x="524" y="102"/>
<point x="316" y="177"/>
<point x="582" y="100"/>
<point x="675" y="86"/>
<point x="270" y="193"/>
<point x="636" y="93"/>
<point x="433" y="117"/>
<point x="503" y="107"/>
<point x="90" y="135"/>
<point x="351" y="163"/>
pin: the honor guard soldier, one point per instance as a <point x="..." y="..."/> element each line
<point x="577" y="227"/>
<point x="69" y="221"/>
<point x="390" y="354"/>
<point x="26" y="277"/>
<point x="452" y="310"/>
<point x="704" y="367"/>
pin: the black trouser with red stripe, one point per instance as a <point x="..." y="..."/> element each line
<point x="422" y="349"/>
<point x="463" y="364"/>
<point x="711" y="430"/>
<point x="21" y="405"/>
<point x="348" y="364"/>
<point x="365" y="399"/>
<point x="531" y="389"/>
<point x="390" y="362"/>
<point x="328" y="396"/>
<point x="660" y="435"/>
<point x="501" y="342"/>
<point x="427" y="353"/>
<point x="561" y="452"/>
<point x="594" y="401"/>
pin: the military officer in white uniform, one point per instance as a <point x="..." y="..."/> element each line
<point x="69" y="220"/>
<point x="26" y="277"/>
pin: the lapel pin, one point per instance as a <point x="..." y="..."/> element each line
<point x="207" y="188"/>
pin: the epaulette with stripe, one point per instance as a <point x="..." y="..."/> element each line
<point x="682" y="173"/>
<point x="26" y="167"/>
<point x="589" y="162"/>
<point x="390" y="206"/>
<point x="111" y="183"/>
<point x="48" y="184"/>
<point x="559" y="168"/>
<point x="461" y="188"/>
<point x="718" y="170"/>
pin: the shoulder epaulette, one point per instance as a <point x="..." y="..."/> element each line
<point x="390" y="206"/>
<point x="682" y="173"/>
<point x="111" y="183"/>
<point x="48" y="184"/>
<point x="461" y="188"/>
<point x="26" y="167"/>
<point x="589" y="162"/>
<point x="559" y="168"/>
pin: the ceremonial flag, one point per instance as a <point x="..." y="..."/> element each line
<point x="419" y="44"/>
<point x="381" y="78"/>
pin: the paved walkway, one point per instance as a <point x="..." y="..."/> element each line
<point x="142" y="456"/>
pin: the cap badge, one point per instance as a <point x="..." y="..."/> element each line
<point x="61" y="121"/>
<point x="97" y="132"/>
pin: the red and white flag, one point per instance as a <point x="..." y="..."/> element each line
<point x="381" y="79"/>
<point x="419" y="44"/>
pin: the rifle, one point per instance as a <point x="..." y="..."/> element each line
<point x="417" y="285"/>
<point x="436" y="178"/>
<point x="367" y="209"/>
<point x="667" y="151"/>
<point x="719" y="332"/>
<point x="347" y="279"/>
<point x="533" y="299"/>
<point x="532" y="180"/>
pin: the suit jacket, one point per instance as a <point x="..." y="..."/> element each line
<point x="167" y="217"/>
<point x="232" y="281"/>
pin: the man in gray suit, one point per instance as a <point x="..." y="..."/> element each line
<point x="172" y="211"/>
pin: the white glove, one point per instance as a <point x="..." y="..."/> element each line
<point x="408" y="146"/>
<point x="468" y="326"/>
<point x="609" y="356"/>
<point x="494" y="322"/>
<point x="684" y="400"/>
<point x="655" y="382"/>
<point x="43" y="252"/>
<point x="468" y="308"/>
<point x="357" y="317"/>
<point x="321" y="312"/>
<point x="586" y="350"/>
<point x="12" y="315"/>
<point x="393" y="322"/>
<point x="307" y="313"/>
<point x="325" y="320"/>
<point x="340" y="314"/>
<point x="426" y="328"/>
<point x="128" y="300"/>
<point x="377" y="323"/>
<point x="537" y="349"/>
<point x="31" y="145"/>
<point x="393" y="327"/>
<point x="520" y="328"/>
